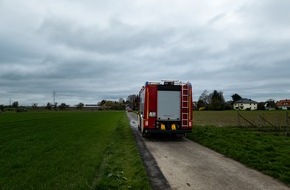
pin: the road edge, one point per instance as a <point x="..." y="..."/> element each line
<point x="156" y="177"/>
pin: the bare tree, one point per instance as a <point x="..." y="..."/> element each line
<point x="132" y="100"/>
<point x="205" y="97"/>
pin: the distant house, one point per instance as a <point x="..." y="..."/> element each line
<point x="283" y="104"/>
<point x="245" y="104"/>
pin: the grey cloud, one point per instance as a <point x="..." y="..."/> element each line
<point x="11" y="51"/>
<point x="274" y="13"/>
<point x="216" y="18"/>
<point x="96" y="52"/>
<point x="117" y="37"/>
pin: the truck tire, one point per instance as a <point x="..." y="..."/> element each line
<point x="143" y="134"/>
<point x="139" y="125"/>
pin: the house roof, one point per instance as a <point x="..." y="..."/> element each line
<point x="245" y="101"/>
<point x="283" y="103"/>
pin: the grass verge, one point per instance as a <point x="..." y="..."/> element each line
<point x="122" y="166"/>
<point x="65" y="150"/>
<point x="262" y="151"/>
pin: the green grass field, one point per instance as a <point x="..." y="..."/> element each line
<point x="69" y="150"/>
<point x="262" y="150"/>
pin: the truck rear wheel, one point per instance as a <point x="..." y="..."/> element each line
<point x="139" y="125"/>
<point x="143" y="134"/>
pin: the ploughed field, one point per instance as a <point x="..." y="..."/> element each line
<point x="230" y="118"/>
<point x="69" y="150"/>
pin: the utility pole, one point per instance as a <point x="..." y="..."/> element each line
<point x="53" y="97"/>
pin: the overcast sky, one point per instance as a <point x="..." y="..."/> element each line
<point x="91" y="50"/>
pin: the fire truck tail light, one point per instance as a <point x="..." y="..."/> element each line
<point x="173" y="127"/>
<point x="190" y="124"/>
<point x="152" y="114"/>
<point x="146" y="123"/>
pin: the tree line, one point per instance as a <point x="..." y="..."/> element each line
<point x="211" y="101"/>
<point x="216" y="101"/>
<point x="104" y="104"/>
<point x="207" y="101"/>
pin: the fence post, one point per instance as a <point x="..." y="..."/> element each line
<point x="238" y="115"/>
<point x="287" y="124"/>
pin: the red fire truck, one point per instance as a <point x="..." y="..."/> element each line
<point x="165" y="107"/>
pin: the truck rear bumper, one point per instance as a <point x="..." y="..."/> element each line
<point x="157" y="131"/>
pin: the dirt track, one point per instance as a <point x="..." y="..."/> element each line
<point x="188" y="165"/>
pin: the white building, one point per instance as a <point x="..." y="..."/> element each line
<point x="245" y="104"/>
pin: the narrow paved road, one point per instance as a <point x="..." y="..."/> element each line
<point x="188" y="165"/>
